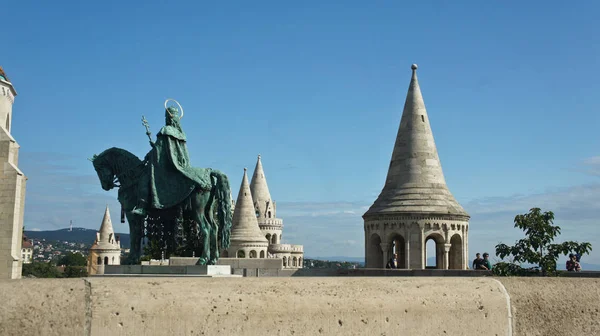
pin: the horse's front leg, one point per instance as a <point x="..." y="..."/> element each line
<point x="135" y="230"/>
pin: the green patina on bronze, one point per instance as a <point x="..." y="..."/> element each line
<point x="164" y="192"/>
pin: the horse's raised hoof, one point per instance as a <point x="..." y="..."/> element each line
<point x="212" y="262"/>
<point x="201" y="261"/>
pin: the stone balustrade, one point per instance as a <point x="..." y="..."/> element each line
<point x="286" y="248"/>
<point x="273" y="222"/>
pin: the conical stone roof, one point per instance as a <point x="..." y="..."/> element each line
<point x="106" y="235"/>
<point x="260" y="190"/>
<point x="106" y="228"/>
<point x="415" y="183"/>
<point x="245" y="225"/>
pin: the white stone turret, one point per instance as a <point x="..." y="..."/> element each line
<point x="264" y="206"/>
<point x="415" y="204"/>
<point x="7" y="98"/>
<point x="12" y="187"/>
<point x="246" y="240"/>
<point x="106" y="250"/>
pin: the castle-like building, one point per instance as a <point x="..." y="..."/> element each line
<point x="415" y="205"/>
<point x="106" y="249"/>
<point x="12" y="188"/>
<point x="256" y="231"/>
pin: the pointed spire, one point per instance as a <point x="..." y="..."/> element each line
<point x="260" y="191"/>
<point x="106" y="229"/>
<point x="415" y="182"/>
<point x="245" y="225"/>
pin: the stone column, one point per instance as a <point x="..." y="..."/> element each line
<point x="385" y="248"/>
<point x="463" y="238"/>
<point x="446" y="250"/>
<point x="423" y="247"/>
<point x="407" y="252"/>
<point x="466" y="244"/>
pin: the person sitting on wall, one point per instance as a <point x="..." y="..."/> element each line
<point x="572" y="264"/>
<point x="485" y="264"/>
<point x="477" y="262"/>
<point x="393" y="263"/>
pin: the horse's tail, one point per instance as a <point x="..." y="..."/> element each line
<point x="224" y="211"/>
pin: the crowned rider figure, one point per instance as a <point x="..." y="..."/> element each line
<point x="170" y="177"/>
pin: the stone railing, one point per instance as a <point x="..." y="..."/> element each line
<point x="286" y="248"/>
<point x="331" y="306"/>
<point x="277" y="222"/>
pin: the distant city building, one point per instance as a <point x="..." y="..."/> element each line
<point x="256" y="231"/>
<point x="27" y="250"/>
<point x="12" y="188"/>
<point x="106" y="250"/>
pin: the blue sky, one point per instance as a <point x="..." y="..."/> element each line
<point x="317" y="88"/>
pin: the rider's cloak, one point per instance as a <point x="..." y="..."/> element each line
<point x="172" y="178"/>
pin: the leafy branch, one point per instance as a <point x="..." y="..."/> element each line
<point x="537" y="247"/>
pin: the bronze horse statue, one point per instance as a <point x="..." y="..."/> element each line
<point x="164" y="183"/>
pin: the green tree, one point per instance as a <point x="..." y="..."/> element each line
<point x="75" y="272"/>
<point x="40" y="270"/>
<point x="537" y="248"/>
<point x="153" y="250"/>
<point x="73" y="259"/>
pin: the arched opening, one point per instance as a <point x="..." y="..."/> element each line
<point x="252" y="254"/>
<point x="374" y="252"/>
<point x="105" y="260"/>
<point x="262" y="254"/>
<point x="295" y="262"/>
<point x="99" y="261"/>
<point x="241" y="254"/>
<point x="274" y="239"/>
<point x="397" y="245"/>
<point x="455" y="255"/>
<point x="113" y="260"/>
<point x="284" y="262"/>
<point x="8" y="122"/>
<point x="434" y="253"/>
<point x="268" y="236"/>
<point x="269" y="214"/>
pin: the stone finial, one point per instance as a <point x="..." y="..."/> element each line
<point x="245" y="169"/>
<point x="259" y="156"/>
<point x="414" y="67"/>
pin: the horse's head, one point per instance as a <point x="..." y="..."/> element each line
<point x="104" y="169"/>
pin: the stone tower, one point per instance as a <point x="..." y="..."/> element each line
<point x="12" y="188"/>
<point x="106" y="250"/>
<point x="415" y="204"/>
<point x="265" y="208"/>
<point x="246" y="240"/>
<point x="271" y="226"/>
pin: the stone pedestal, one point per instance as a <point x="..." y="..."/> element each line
<point x="155" y="270"/>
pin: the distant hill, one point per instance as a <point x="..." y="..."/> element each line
<point x="78" y="235"/>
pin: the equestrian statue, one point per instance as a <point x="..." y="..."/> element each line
<point x="164" y="189"/>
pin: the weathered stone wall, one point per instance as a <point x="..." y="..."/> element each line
<point x="300" y="306"/>
<point x="12" y="206"/>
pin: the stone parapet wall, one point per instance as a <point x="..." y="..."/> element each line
<point x="301" y="306"/>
